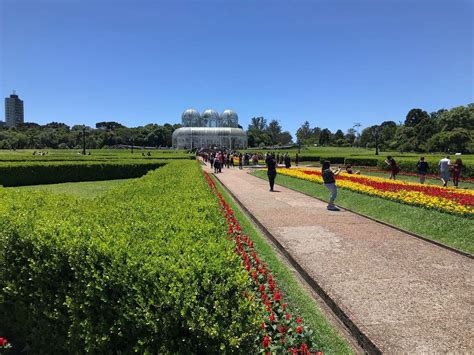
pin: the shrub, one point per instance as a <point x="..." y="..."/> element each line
<point x="143" y="268"/>
<point x="33" y="173"/>
<point x="309" y="158"/>
<point x="333" y="160"/>
<point x="361" y="161"/>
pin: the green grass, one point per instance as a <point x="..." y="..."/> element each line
<point x="85" y="189"/>
<point x="451" y="230"/>
<point x="326" y="337"/>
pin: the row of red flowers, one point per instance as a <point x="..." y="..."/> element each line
<point x="430" y="176"/>
<point x="462" y="197"/>
<point x="280" y="331"/>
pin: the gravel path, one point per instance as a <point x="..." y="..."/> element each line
<point x="405" y="295"/>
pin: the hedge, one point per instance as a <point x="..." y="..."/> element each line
<point x="308" y="158"/>
<point x="333" y="160"/>
<point x="144" y="268"/>
<point x="361" y="161"/>
<point x="32" y="173"/>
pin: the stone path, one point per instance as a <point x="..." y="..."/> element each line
<point x="405" y="295"/>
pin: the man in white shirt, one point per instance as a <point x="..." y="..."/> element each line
<point x="444" y="165"/>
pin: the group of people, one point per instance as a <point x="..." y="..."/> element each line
<point x="444" y="165"/>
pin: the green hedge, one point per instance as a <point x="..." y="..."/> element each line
<point x="333" y="160"/>
<point x="144" y="268"/>
<point x="308" y="158"/>
<point x="361" y="161"/>
<point x="19" y="174"/>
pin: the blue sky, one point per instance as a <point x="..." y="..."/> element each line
<point x="332" y="63"/>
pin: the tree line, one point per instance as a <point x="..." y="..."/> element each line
<point x="440" y="131"/>
<point x="105" y="134"/>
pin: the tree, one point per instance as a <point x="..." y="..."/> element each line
<point x="303" y="133"/>
<point x="110" y="125"/>
<point x="415" y="116"/>
<point x="458" y="117"/>
<point x="325" y="136"/>
<point x="274" y="131"/>
<point x="258" y="123"/>
<point x="285" y="138"/>
<point x="339" y="138"/>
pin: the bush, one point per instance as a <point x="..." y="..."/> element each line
<point x="144" y="268"/>
<point x="309" y="158"/>
<point x="333" y="160"/>
<point x="32" y="173"/>
<point x="361" y="161"/>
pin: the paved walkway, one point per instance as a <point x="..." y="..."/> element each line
<point x="405" y="295"/>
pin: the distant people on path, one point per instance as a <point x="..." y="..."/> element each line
<point x="255" y="159"/>
<point x="240" y="161"/>
<point x="271" y="172"/>
<point x="444" y="165"/>
<point x="457" y="170"/>
<point x="287" y="161"/>
<point x="394" y="169"/>
<point x="330" y="183"/>
<point x="422" y="167"/>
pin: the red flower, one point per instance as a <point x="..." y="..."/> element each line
<point x="293" y="351"/>
<point x="266" y="342"/>
<point x="283" y="306"/>
<point x="261" y="288"/>
<point x="276" y="297"/>
<point x="3" y="341"/>
<point x="272" y="317"/>
<point x="304" y="348"/>
<point x="299" y="329"/>
<point x="281" y="329"/>
<point x="288" y="316"/>
<point x="263" y="326"/>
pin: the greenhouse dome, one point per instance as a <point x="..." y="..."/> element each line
<point x="191" y="118"/>
<point x="209" y="137"/>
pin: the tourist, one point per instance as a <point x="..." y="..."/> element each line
<point x="240" y="161"/>
<point x="211" y="160"/>
<point x="254" y="159"/>
<point x="330" y="183"/>
<point x="422" y="167"/>
<point x="394" y="169"/>
<point x="350" y="171"/>
<point x="457" y="169"/>
<point x="287" y="161"/>
<point x="444" y="165"/>
<point x="271" y="172"/>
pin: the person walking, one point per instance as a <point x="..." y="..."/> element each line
<point x="444" y="165"/>
<point x="287" y="161"/>
<point x="394" y="169"/>
<point x="330" y="183"/>
<point x="240" y="161"/>
<point x="271" y="170"/>
<point x="457" y="170"/>
<point x="422" y="167"/>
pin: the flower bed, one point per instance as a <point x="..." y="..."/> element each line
<point x="280" y="331"/>
<point x="450" y="200"/>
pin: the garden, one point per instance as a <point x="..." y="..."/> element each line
<point x="158" y="263"/>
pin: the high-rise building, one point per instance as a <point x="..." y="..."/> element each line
<point x="14" y="111"/>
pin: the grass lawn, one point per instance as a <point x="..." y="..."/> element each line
<point x="445" y="228"/>
<point x="325" y="337"/>
<point x="85" y="189"/>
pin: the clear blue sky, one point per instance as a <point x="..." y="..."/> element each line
<point x="332" y="63"/>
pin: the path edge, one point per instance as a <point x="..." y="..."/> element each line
<point x="363" y="340"/>
<point x="412" y="234"/>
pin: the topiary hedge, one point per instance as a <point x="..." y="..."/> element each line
<point x="144" y="268"/>
<point x="32" y="173"/>
<point x="361" y="161"/>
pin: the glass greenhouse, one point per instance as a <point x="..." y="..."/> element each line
<point x="209" y="130"/>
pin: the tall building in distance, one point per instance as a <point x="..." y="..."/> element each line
<point x="14" y="110"/>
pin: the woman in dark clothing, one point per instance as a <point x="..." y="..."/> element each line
<point x="394" y="169"/>
<point x="457" y="169"/>
<point x="287" y="161"/>
<point x="271" y="172"/>
<point x="422" y="167"/>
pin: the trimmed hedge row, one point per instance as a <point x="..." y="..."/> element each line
<point x="361" y="161"/>
<point x="19" y="174"/>
<point x="144" y="268"/>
